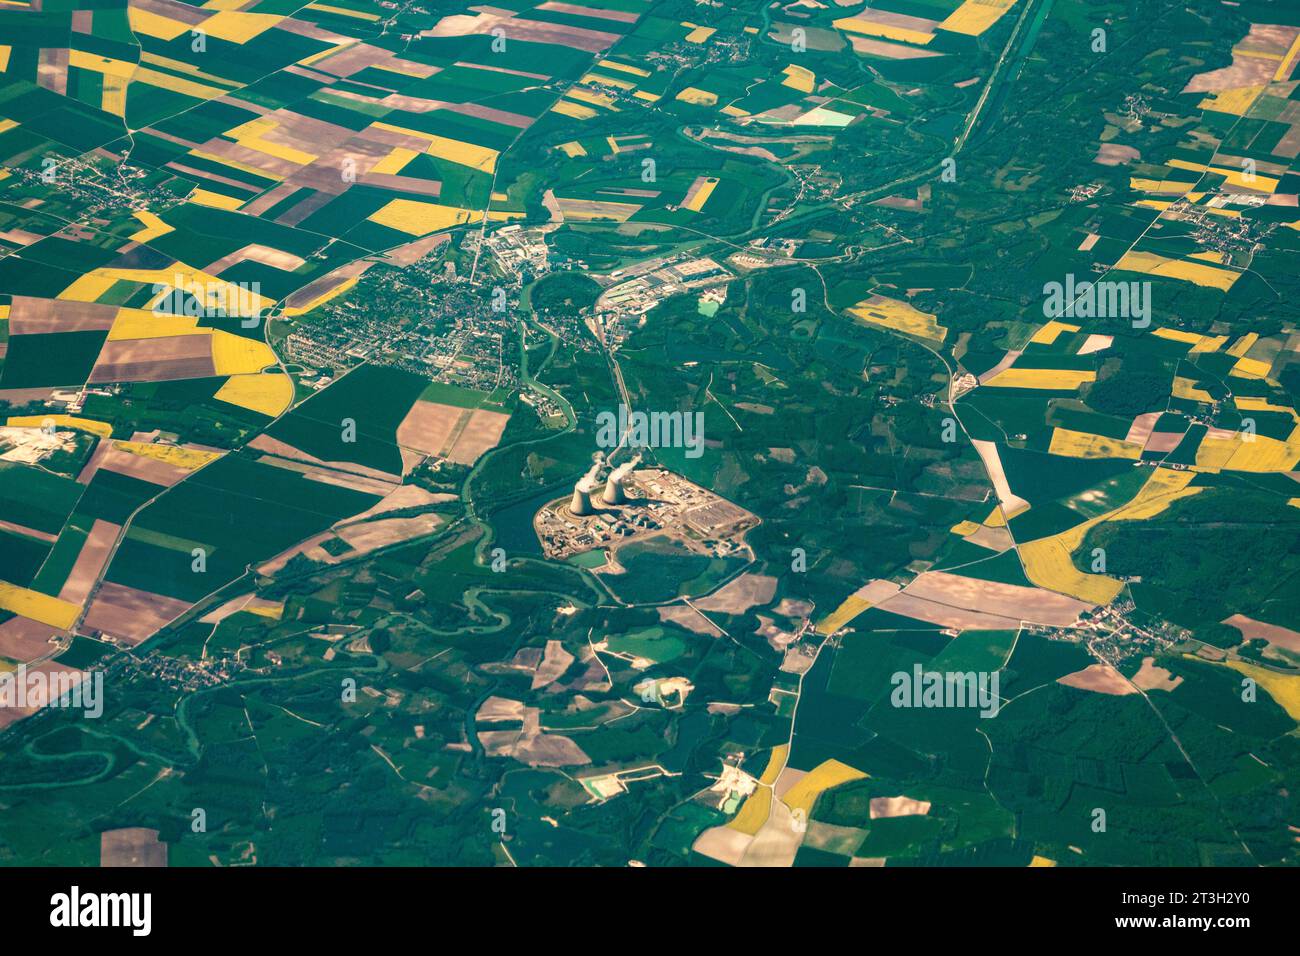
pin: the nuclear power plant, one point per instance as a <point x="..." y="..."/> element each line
<point x="581" y="503"/>
<point x="638" y="501"/>
<point x="614" y="494"/>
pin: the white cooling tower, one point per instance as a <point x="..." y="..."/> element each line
<point x="581" y="503"/>
<point x="614" y="486"/>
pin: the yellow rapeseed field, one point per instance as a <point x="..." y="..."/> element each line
<point x="573" y="110"/>
<point x="975" y="16"/>
<point x="1049" y="378"/>
<point x="267" y="394"/>
<point x="1149" y="263"/>
<point x="418" y="218"/>
<point x="1186" y="388"/>
<point x="754" y="812"/>
<point x="701" y="196"/>
<point x="36" y="606"/>
<point x="899" y="316"/>
<point x="102" y="429"/>
<point x="697" y="96"/>
<point x="235" y="355"/>
<point x="1283" y="688"/>
<point x="1074" y="444"/>
<point x="144" y="324"/>
<point x="885" y="31"/>
<point x="799" y="78"/>
<point x="1048" y="563"/>
<point x="187" y="458"/>
<point x="1199" y="343"/>
<point x="827" y="774"/>
<point x="1049" y="332"/>
<point x="850" y="608"/>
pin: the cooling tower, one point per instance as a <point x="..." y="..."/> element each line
<point x="581" y="503"/>
<point x="614" y="486"/>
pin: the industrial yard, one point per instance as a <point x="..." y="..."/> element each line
<point x="631" y="503"/>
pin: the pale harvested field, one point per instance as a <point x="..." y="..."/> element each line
<point x="427" y="426"/>
<point x="253" y="252"/>
<point x="790" y="607"/>
<point x="795" y="662"/>
<point x="555" y="662"/>
<point x="1096" y="343"/>
<point x="530" y="31"/>
<point x="131" y="846"/>
<point x="311" y="548"/>
<point x="1163" y="442"/>
<point x="723" y="844"/>
<point x="268" y="199"/>
<point x="550" y="750"/>
<point x="328" y="476"/>
<point x="683" y="616"/>
<point x="129" y="614"/>
<point x="21" y="396"/>
<point x="233" y="606"/>
<point x="833" y="838"/>
<point x="1101" y="678"/>
<point x="500" y="708"/>
<point x="786" y="779"/>
<point x="28" y="316"/>
<point x="901" y="20"/>
<point x="777" y="842"/>
<point x="282" y="449"/>
<point x="1247" y="70"/>
<point x="1114" y="154"/>
<point x="406" y="184"/>
<point x="988" y="452"/>
<point x="898" y="807"/>
<point x="90" y="562"/>
<point x="894" y="51"/>
<point x="777" y="637"/>
<point x="155" y="360"/>
<point x="815" y="38"/>
<point x="589" y="10"/>
<point x="874" y="592"/>
<point x="1151" y="677"/>
<point x="111" y="458"/>
<point x="1142" y="427"/>
<point x="412" y="252"/>
<point x="528" y="744"/>
<point x="739" y="595"/>
<point x="995" y="539"/>
<point x="22" y="639"/>
<point x="585" y="210"/>
<point x="1258" y="630"/>
<point x="404" y="496"/>
<point x="479" y="434"/>
<point x="28" y="532"/>
<point x="1005" y="600"/>
<point x="945" y="616"/>
<point x="371" y="535"/>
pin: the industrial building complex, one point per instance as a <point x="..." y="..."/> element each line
<point x="638" y="503"/>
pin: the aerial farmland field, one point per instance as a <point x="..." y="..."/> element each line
<point x="652" y="433"/>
